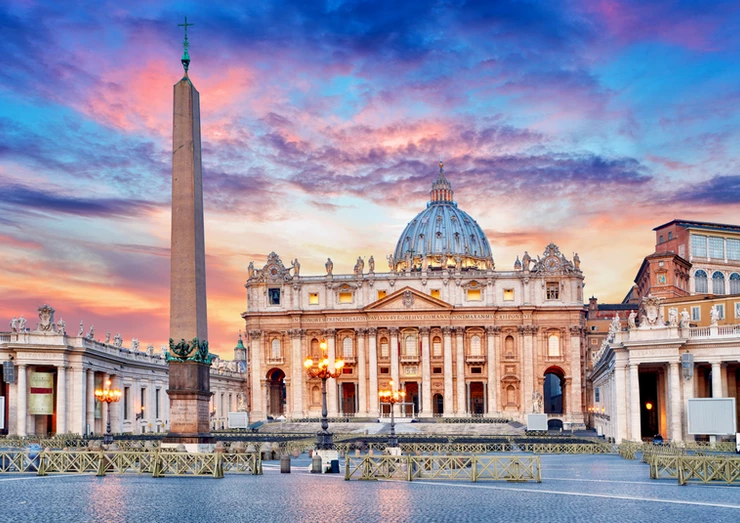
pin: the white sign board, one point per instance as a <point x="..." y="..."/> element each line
<point x="711" y="416"/>
<point x="238" y="420"/>
<point x="536" y="421"/>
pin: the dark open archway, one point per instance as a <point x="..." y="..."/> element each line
<point x="275" y="392"/>
<point x="553" y="391"/>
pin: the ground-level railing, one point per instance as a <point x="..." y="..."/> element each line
<point x="483" y="448"/>
<point x="157" y="463"/>
<point x="467" y="468"/>
<point x="701" y="468"/>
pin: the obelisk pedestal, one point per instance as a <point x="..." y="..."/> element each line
<point x="188" y="358"/>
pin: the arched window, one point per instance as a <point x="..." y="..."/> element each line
<point x="734" y="283"/>
<point x="315" y="395"/>
<point x="718" y="283"/>
<point x="315" y="349"/>
<point x="475" y="346"/>
<point x="701" y="285"/>
<point x="509" y="348"/>
<point x="347" y="347"/>
<point x="553" y="345"/>
<point x="384" y="353"/>
<point x="275" y="349"/>
<point x="437" y="347"/>
<point x="410" y="346"/>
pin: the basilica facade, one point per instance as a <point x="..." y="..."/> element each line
<point x="462" y="338"/>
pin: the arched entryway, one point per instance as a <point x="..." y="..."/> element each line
<point x="275" y="392"/>
<point x="553" y="391"/>
<point x="438" y="404"/>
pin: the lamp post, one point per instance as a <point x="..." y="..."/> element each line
<point x="108" y="395"/>
<point x="322" y="371"/>
<point x="392" y="396"/>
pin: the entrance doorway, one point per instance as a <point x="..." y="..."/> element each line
<point x="438" y="405"/>
<point x="349" y="399"/>
<point x="552" y="393"/>
<point x="412" y="399"/>
<point x="275" y="392"/>
<point x="649" y="406"/>
<point x="477" y="397"/>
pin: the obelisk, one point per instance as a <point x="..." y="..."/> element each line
<point x="188" y="358"/>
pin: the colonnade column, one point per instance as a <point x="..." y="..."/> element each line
<point x="331" y="386"/>
<point x="395" y="373"/>
<point x="716" y="379"/>
<point x="688" y="393"/>
<point x="61" y="399"/>
<point x="296" y="366"/>
<point x="528" y="365"/>
<point x="361" y="374"/>
<point x="255" y="349"/>
<point x="448" y="400"/>
<point x="620" y="395"/>
<point x="426" y="376"/>
<point x="22" y="391"/>
<point x="462" y="407"/>
<point x="115" y="408"/>
<point x="90" y="400"/>
<point x="372" y="352"/>
<point x="675" y="399"/>
<point x="575" y="406"/>
<point x="491" y="366"/>
<point x="635" y="429"/>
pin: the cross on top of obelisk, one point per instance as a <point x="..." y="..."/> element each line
<point x="185" y="44"/>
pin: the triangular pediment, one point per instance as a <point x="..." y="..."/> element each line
<point x="408" y="299"/>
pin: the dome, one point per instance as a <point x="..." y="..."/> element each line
<point x="444" y="234"/>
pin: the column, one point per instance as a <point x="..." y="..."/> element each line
<point x="574" y="405"/>
<point x="716" y="379"/>
<point x="395" y="373"/>
<point x="426" y="374"/>
<point x="103" y="407"/>
<point x="77" y="412"/>
<point x="675" y="399"/>
<point x="448" y="400"/>
<point x="527" y="366"/>
<point x="90" y="400"/>
<point x="115" y="408"/>
<point x="22" y="391"/>
<point x="636" y="432"/>
<point x="361" y="373"/>
<point x="461" y="408"/>
<point x="331" y="385"/>
<point x="372" y="356"/>
<point x="297" y="372"/>
<point x="61" y="399"/>
<point x="255" y="352"/>
<point x="620" y="394"/>
<point x="492" y="385"/>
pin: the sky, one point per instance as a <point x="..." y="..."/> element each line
<point x="583" y="123"/>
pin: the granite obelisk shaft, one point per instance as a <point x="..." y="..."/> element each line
<point x="189" y="381"/>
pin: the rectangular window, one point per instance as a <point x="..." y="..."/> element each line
<point x="508" y="294"/>
<point x="594" y="341"/>
<point x="273" y="296"/>
<point x="474" y="295"/>
<point x="313" y="298"/>
<point x="670" y="235"/>
<point x="553" y="291"/>
<point x="346" y="370"/>
<point x="733" y="249"/>
<point x="716" y="248"/>
<point x="661" y="239"/>
<point x="597" y="395"/>
<point x="737" y="310"/>
<point x="437" y="370"/>
<point x="345" y="297"/>
<point x="382" y="294"/>
<point x="476" y="370"/>
<point x="720" y="310"/>
<point x="435" y="294"/>
<point x="126" y="402"/>
<point x="384" y="370"/>
<point x="695" y="313"/>
<point x="699" y="245"/>
<point x="594" y="328"/>
<point x="156" y="403"/>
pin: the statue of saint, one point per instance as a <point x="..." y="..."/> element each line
<point x="713" y="315"/>
<point x="371" y="265"/>
<point x="91" y="334"/>
<point x="250" y="270"/>
<point x="81" y="332"/>
<point x="631" y="320"/>
<point x="616" y="325"/>
<point x="673" y="317"/>
<point x="21" y="324"/>
<point x="359" y="266"/>
<point x="684" y="319"/>
<point x="14" y="324"/>
<point x="329" y="266"/>
<point x="135" y="344"/>
<point x="118" y="340"/>
<point x="296" y="268"/>
<point x="576" y="261"/>
<point x="391" y="263"/>
<point x="107" y="336"/>
<point x="526" y="260"/>
<point x="536" y="402"/>
<point x="60" y="326"/>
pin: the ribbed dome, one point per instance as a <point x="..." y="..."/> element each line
<point x="442" y="232"/>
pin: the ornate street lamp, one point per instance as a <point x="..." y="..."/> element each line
<point x="322" y="371"/>
<point x="108" y="395"/>
<point x="392" y="396"/>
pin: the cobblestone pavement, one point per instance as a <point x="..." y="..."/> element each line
<point x="574" y="488"/>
